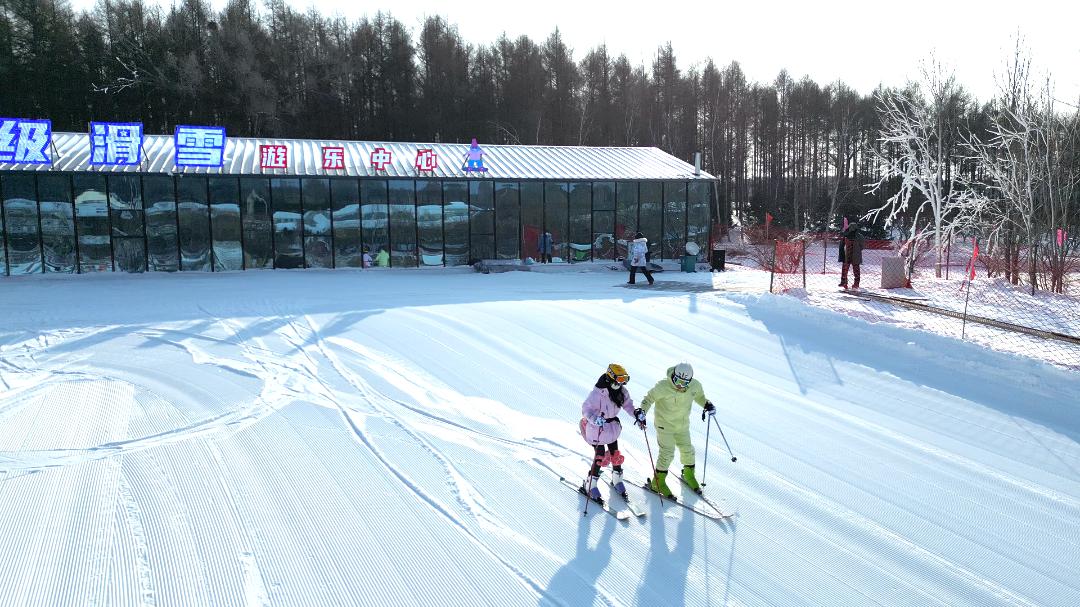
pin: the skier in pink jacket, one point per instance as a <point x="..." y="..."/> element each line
<point x="600" y="425"/>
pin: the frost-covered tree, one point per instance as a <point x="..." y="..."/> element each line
<point x="1029" y="177"/>
<point x="918" y="137"/>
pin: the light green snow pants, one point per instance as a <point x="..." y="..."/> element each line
<point x="668" y="440"/>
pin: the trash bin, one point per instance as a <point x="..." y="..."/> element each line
<point x="689" y="260"/>
<point x="689" y="263"/>
<point x="717" y="261"/>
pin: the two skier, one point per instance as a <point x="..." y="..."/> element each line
<point x="672" y="396"/>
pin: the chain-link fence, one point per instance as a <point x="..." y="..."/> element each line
<point x="999" y="309"/>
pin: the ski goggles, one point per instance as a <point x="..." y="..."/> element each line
<point x="681" y="383"/>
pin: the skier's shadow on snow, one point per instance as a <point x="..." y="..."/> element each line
<point x="664" y="577"/>
<point x="575" y="582"/>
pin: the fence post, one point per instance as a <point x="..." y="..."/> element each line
<point x="804" y="265"/>
<point x="772" y="275"/>
<point x="825" y="254"/>
<point x="948" y="257"/>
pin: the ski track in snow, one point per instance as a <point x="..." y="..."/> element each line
<point x="468" y="498"/>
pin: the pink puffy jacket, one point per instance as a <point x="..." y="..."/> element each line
<point x="599" y="403"/>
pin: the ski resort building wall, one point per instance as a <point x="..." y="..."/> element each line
<point x="73" y="216"/>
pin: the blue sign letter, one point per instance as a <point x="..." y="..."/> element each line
<point x="115" y="142"/>
<point x="25" y="141"/>
<point x="199" y="146"/>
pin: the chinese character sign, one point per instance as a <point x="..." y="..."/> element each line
<point x="116" y="143"/>
<point x="273" y="157"/>
<point x="199" y="146"/>
<point x="474" y="158"/>
<point x="333" y="158"/>
<point x="426" y="160"/>
<point x="380" y="158"/>
<point x="25" y="141"/>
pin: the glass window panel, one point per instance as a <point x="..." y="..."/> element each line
<point x="482" y="220"/>
<point x="697" y="213"/>
<point x="507" y="210"/>
<point x="603" y="237"/>
<point x="532" y="217"/>
<point x="580" y="222"/>
<point x="557" y="216"/>
<point x="429" y="221"/>
<point x="57" y="222"/>
<point x="255" y="214"/>
<point x="316" y="200"/>
<point x="375" y="220"/>
<point x="626" y="215"/>
<point x="603" y="196"/>
<point x="126" y="210"/>
<point x="652" y="195"/>
<point x="23" y="231"/>
<point x="456" y="222"/>
<point x="225" y="223"/>
<point x="345" y="199"/>
<point x="161" y="237"/>
<point x="92" y="224"/>
<point x="317" y="252"/>
<point x="674" y="219"/>
<point x="288" y="237"/>
<point x="194" y="218"/>
<point x="403" y="252"/>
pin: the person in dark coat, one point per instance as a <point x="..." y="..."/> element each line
<point x="545" y="246"/>
<point x="853" y="246"/>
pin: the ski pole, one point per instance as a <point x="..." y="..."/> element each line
<point x="588" y="488"/>
<point x="706" y="467"/>
<point x="652" y="462"/>
<point x="733" y="458"/>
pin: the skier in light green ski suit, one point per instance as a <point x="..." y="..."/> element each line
<point x="673" y="396"/>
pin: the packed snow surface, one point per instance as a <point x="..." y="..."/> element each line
<point x="327" y="438"/>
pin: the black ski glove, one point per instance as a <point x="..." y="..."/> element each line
<point x="709" y="410"/>
<point x="639" y="417"/>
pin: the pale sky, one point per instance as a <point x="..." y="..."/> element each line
<point x="863" y="43"/>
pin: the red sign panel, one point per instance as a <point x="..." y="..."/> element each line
<point x="333" y="158"/>
<point x="380" y="159"/>
<point x="426" y="160"/>
<point x="273" y="157"/>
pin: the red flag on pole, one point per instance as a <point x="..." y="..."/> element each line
<point x="974" y="256"/>
<point x="768" y="218"/>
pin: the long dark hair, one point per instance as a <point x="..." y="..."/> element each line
<point x="616" y="396"/>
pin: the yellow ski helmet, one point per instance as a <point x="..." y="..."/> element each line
<point x="617" y="374"/>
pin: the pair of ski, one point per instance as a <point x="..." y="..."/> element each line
<point x="631" y="509"/>
<point x="714" y="511"/>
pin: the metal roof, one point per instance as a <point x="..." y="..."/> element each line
<point x="71" y="152"/>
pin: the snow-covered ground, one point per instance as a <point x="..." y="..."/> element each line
<point x="395" y="438"/>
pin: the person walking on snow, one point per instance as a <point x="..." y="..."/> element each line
<point x="673" y="396"/>
<point x="639" y="257"/>
<point x="600" y="426"/>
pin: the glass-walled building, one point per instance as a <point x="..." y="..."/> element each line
<point x="374" y="203"/>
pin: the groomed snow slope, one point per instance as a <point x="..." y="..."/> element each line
<point x="363" y="438"/>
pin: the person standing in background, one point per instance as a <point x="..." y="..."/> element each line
<point x="852" y="251"/>
<point x="545" y="246"/>
<point x="639" y="258"/>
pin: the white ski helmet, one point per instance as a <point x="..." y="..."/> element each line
<point x="681" y="376"/>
